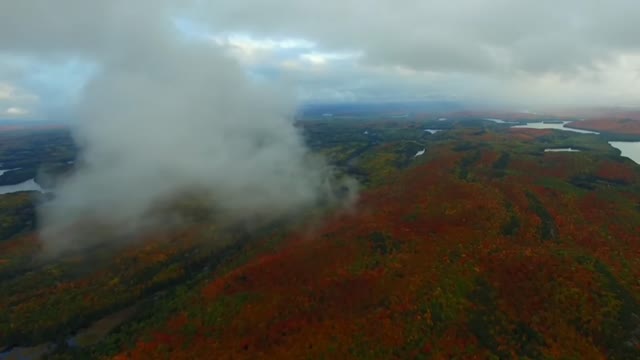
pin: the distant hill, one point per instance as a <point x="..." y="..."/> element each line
<point x="11" y="125"/>
<point x="620" y="126"/>
<point x="375" y="109"/>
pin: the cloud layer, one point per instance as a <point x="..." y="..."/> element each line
<point x="162" y="117"/>
<point x="555" y="52"/>
<point x="469" y="36"/>
<point x="500" y="52"/>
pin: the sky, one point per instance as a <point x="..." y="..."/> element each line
<point x="499" y="53"/>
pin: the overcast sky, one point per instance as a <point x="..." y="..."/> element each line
<point x="496" y="52"/>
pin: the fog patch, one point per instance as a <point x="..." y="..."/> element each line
<point x="163" y="119"/>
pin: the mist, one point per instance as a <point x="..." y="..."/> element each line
<point x="162" y="117"/>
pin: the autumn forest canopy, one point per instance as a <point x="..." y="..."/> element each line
<point x="319" y="180"/>
<point x="467" y="239"/>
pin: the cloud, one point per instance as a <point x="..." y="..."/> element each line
<point x="323" y="58"/>
<point x="9" y="92"/>
<point x="16" y="111"/>
<point x="6" y="92"/>
<point x="505" y="51"/>
<point x="15" y="102"/>
<point x="161" y="117"/>
<point x="479" y="35"/>
<point x="496" y="44"/>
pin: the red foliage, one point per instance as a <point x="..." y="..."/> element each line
<point x="421" y="259"/>
<point x="625" y="125"/>
<point x="524" y="134"/>
<point x="617" y="172"/>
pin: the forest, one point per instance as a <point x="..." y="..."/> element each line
<point x="468" y="242"/>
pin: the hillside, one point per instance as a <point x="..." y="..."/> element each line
<point x="483" y="247"/>
<point x="471" y="242"/>
<point x="625" y="126"/>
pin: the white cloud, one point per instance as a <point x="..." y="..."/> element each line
<point x="250" y="50"/>
<point x="323" y="58"/>
<point x="7" y="92"/>
<point x="15" y="101"/>
<point x="16" y="111"/>
<point x="253" y="43"/>
<point x="10" y="92"/>
<point x="162" y="115"/>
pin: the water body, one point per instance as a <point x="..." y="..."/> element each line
<point x="628" y="149"/>
<point x="432" y="131"/>
<point x="28" y="353"/>
<point x="555" y="126"/>
<point x="29" y="185"/>
<point x="101" y="328"/>
<point x="562" y="150"/>
<point x="497" y="121"/>
<point x="7" y="170"/>
<point x="419" y="153"/>
<point x="85" y="337"/>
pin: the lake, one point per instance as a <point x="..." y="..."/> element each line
<point x="498" y="121"/>
<point x="561" y="150"/>
<point x="29" y="185"/>
<point x="628" y="149"/>
<point x="28" y="353"/>
<point x="556" y="126"/>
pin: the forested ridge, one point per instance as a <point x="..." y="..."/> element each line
<point x="483" y="246"/>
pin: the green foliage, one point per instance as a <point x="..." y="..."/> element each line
<point x="382" y="244"/>
<point x="511" y="227"/>
<point x="501" y="164"/>
<point x="466" y="163"/>
<point x="548" y="228"/>
<point x="488" y="324"/>
<point x="17" y="214"/>
<point x="622" y="331"/>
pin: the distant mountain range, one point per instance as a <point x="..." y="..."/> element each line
<point x="372" y="109"/>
